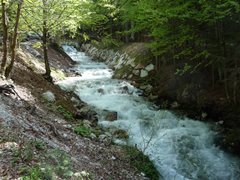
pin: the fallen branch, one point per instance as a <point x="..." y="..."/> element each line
<point x="8" y="89"/>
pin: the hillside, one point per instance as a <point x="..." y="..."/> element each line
<point x="37" y="139"/>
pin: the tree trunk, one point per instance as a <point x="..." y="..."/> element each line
<point x="126" y="34"/>
<point x="5" y="37"/>
<point x="235" y="81"/>
<point x="47" y="75"/>
<point x="14" y="41"/>
<point x="132" y="33"/>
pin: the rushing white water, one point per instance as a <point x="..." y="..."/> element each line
<point x="179" y="148"/>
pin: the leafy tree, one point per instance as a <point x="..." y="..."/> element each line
<point x="5" y="35"/>
<point x="51" y="18"/>
<point x="7" y="10"/>
<point x="14" y="40"/>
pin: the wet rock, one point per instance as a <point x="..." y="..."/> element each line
<point x="175" y="105"/>
<point x="143" y="73"/>
<point x="87" y="113"/>
<point x="49" y="96"/>
<point x="152" y="97"/>
<point x="110" y="115"/>
<point x="119" y="133"/>
<point x="100" y="90"/>
<point x="75" y="100"/>
<point x="204" y="115"/>
<point x="78" y="74"/>
<point x="124" y="89"/>
<point x="147" y="88"/>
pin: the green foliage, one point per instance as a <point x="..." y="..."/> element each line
<point x="39" y="145"/>
<point x="58" y="17"/>
<point x="193" y="35"/>
<point x="83" y="131"/>
<point x="56" y="107"/>
<point x="125" y="70"/>
<point x="58" y="164"/>
<point x="66" y="114"/>
<point x="142" y="162"/>
<point x="109" y="42"/>
<point x="34" y="173"/>
<point x="184" y="70"/>
<point x="37" y="45"/>
<point x="23" y="154"/>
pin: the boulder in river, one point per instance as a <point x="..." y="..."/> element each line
<point x="119" y="133"/>
<point x="86" y="112"/>
<point x="110" y="115"/>
<point x="100" y="90"/>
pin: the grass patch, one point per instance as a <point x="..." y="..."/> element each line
<point x="66" y="114"/>
<point x="141" y="162"/>
<point x="58" y="165"/>
<point x="56" y="107"/>
<point x="58" y="74"/>
<point x="83" y="131"/>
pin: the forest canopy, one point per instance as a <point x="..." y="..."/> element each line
<point x="196" y="34"/>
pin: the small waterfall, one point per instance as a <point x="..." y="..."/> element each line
<point x="179" y="148"/>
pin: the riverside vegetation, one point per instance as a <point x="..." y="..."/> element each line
<point x="183" y="54"/>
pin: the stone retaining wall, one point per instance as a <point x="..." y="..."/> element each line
<point x="124" y="66"/>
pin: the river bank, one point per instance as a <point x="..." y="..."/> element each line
<point x="39" y="137"/>
<point x="179" y="147"/>
<point x="188" y="95"/>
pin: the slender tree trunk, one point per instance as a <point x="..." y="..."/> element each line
<point x="235" y="81"/>
<point x="132" y="33"/>
<point x="45" y="55"/>
<point x="5" y="37"/>
<point x="47" y="75"/>
<point x="126" y="35"/>
<point x="225" y="55"/>
<point x="213" y="76"/>
<point x="14" y="41"/>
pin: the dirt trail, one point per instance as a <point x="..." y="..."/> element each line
<point x="31" y="134"/>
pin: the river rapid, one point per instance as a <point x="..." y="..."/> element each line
<point x="180" y="148"/>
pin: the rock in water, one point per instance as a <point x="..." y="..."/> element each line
<point x="49" y="96"/>
<point x="86" y="112"/>
<point x="110" y="115"/>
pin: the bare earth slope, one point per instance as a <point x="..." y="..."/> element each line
<point x="39" y="143"/>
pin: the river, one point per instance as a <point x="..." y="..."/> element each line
<point x="180" y="148"/>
